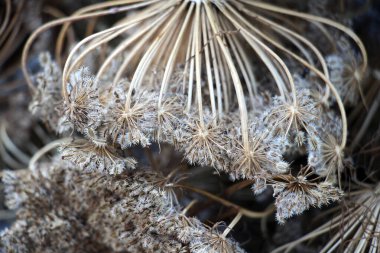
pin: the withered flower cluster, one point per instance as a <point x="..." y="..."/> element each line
<point x="257" y="91"/>
<point x="61" y="209"/>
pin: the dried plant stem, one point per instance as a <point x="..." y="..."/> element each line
<point x="234" y="75"/>
<point x="370" y="96"/>
<point x="92" y="9"/>
<point x="242" y="210"/>
<point x="312" y="18"/>
<point x="8" y="159"/>
<point x="147" y="59"/>
<point x="189" y="206"/>
<point x="13" y="35"/>
<point x="289" y="246"/>
<point x="261" y="47"/>
<point x="56" y="13"/>
<point x="243" y="62"/>
<point x="208" y="68"/>
<point x="45" y="149"/>
<point x="139" y="45"/>
<point x="198" y="64"/>
<point x="10" y="146"/>
<point x="238" y="186"/>
<point x="12" y="23"/>
<point x="232" y="224"/>
<point x="173" y="55"/>
<point x="99" y="39"/>
<point x="368" y="119"/>
<point x="291" y="35"/>
<point x="57" y="22"/>
<point x="5" y="21"/>
<point x="352" y="220"/>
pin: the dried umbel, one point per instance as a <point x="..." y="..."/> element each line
<point x="199" y="91"/>
<point x="133" y="124"/>
<point x="47" y="98"/>
<point x="325" y="154"/>
<point x="296" y="194"/>
<point x="96" y="154"/>
<point x="209" y="63"/>
<point x="264" y="156"/>
<point x="345" y="74"/>
<point x="82" y="107"/>
<point x="66" y="210"/>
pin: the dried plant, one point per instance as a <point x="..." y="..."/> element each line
<point x="218" y="35"/>
<point x="152" y="97"/>
<point x="100" y="213"/>
<point x="357" y="225"/>
<point x="95" y="153"/>
<point x="294" y="195"/>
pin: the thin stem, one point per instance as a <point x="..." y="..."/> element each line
<point x="125" y="43"/>
<point x="241" y="61"/>
<point x="368" y="119"/>
<point x="238" y="186"/>
<point x="8" y="160"/>
<point x="149" y="55"/>
<point x="322" y="20"/>
<point x="137" y="47"/>
<point x="235" y="77"/>
<point x="262" y="45"/>
<point x="8" y="8"/>
<point x="191" y="71"/>
<point x="245" y="212"/>
<point x="9" y="145"/>
<point x="208" y="66"/>
<point x="52" y="24"/>
<point x="232" y="224"/>
<point x="198" y="64"/>
<point x="216" y="69"/>
<point x="46" y="149"/>
<point x="174" y="54"/>
<point x="94" y="9"/>
<point x="189" y="206"/>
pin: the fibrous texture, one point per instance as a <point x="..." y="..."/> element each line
<point x="65" y="210"/>
<point x="357" y="226"/>
<point x="242" y="86"/>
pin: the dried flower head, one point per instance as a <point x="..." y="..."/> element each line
<point x="205" y="143"/>
<point x="212" y="241"/>
<point x="169" y="116"/>
<point x="131" y="123"/>
<point x="294" y="115"/>
<point x="47" y="96"/>
<point x="96" y="154"/>
<point x="294" y="195"/>
<point x="82" y="107"/>
<point x="264" y="154"/>
<point x="325" y="152"/>
<point x="345" y="72"/>
<point x="213" y="44"/>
